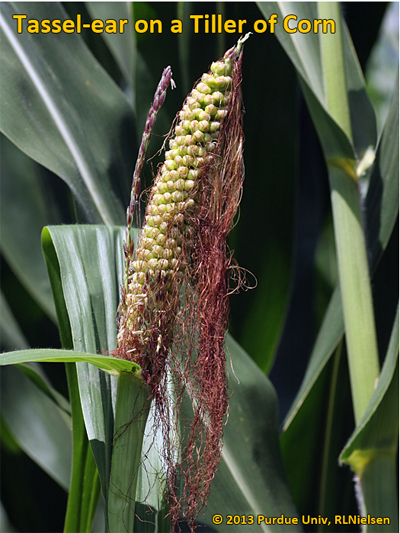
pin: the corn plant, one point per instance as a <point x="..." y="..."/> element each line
<point x="164" y="421"/>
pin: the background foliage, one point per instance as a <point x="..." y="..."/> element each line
<point x="283" y="236"/>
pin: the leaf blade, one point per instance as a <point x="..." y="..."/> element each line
<point x="67" y="97"/>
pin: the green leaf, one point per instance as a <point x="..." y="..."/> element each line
<point x="86" y="263"/>
<point x="35" y="372"/>
<point x="382" y="209"/>
<point x="304" y="50"/>
<point x="382" y="201"/>
<point x="11" y="334"/>
<point x="89" y="262"/>
<point x="372" y="449"/>
<point x="356" y="291"/>
<point x="5" y="525"/>
<point x="85" y="483"/>
<point x="329" y="335"/>
<point x="132" y="409"/>
<point x="381" y="413"/>
<point x="250" y="479"/>
<point x="122" y="45"/>
<point x="112" y="365"/>
<point x="90" y="259"/>
<point x="40" y="427"/>
<point x="28" y="205"/>
<point x="80" y="266"/>
<point x="85" y="479"/>
<point x="62" y="109"/>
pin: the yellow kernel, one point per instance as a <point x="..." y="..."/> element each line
<point x="167" y="254"/>
<point x="167" y="197"/>
<point x="144" y="255"/>
<point x="194" y="174"/>
<point x="188" y="185"/>
<point x="161" y="187"/>
<point x="199" y="161"/>
<point x="198" y="96"/>
<point x="171" y="207"/>
<point x="210" y="146"/>
<point x="180" y="185"/>
<point x="171" y="165"/>
<point x="177" y="196"/>
<point x="160" y="239"/>
<point x="214" y="126"/>
<point x="203" y="88"/>
<point x="163" y="227"/>
<point x="163" y="264"/>
<point x="183" y="170"/>
<point x="204" y="125"/>
<point x="198" y="136"/>
<point x="191" y="102"/>
<point x="152" y="209"/>
<point x="189" y="160"/>
<point x="157" y="250"/>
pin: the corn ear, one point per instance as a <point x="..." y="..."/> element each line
<point x="159" y="255"/>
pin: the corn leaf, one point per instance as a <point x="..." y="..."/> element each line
<point x="111" y="365"/>
<point x="10" y="332"/>
<point x="304" y="50"/>
<point x="30" y="205"/>
<point x="382" y="210"/>
<point x="53" y="85"/>
<point x="381" y="214"/>
<point x="39" y="426"/>
<point x="91" y="299"/>
<point x="132" y="410"/>
<point x="121" y="45"/>
<point x="85" y="483"/>
<point x="89" y="260"/>
<point x="35" y="373"/>
<point x="91" y="255"/>
<point x="5" y="524"/>
<point x="372" y="449"/>
<point x="250" y="479"/>
<point x="338" y="119"/>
